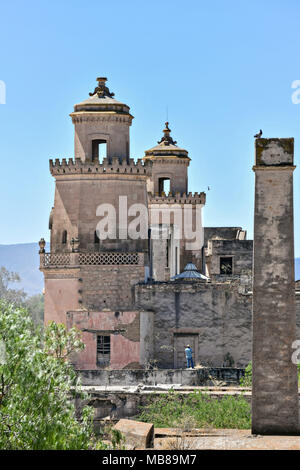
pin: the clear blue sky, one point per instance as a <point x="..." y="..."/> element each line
<point x="223" y="68"/>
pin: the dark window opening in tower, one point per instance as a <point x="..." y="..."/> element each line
<point x="64" y="237"/>
<point x="164" y="185"/>
<point x="99" y="149"/>
<point x="96" y="238"/>
<point x="103" y="350"/>
<point x="226" y="265"/>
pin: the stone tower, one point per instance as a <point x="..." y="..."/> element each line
<point x="170" y="251"/>
<point x="101" y="119"/>
<point x="83" y="269"/>
<point x="169" y="163"/>
<point x="275" y="408"/>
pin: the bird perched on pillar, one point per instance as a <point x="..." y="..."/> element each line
<point x="258" y="136"/>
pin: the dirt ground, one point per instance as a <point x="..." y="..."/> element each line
<point x="222" y="439"/>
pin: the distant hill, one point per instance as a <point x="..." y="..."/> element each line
<point x="297" y="268"/>
<point x="24" y="259"/>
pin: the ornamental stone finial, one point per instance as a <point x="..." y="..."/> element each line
<point x="42" y="245"/>
<point x="102" y="90"/>
<point x="167" y="139"/>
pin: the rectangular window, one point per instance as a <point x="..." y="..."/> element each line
<point x="164" y="185"/>
<point x="226" y="265"/>
<point x="103" y="350"/>
<point x="99" y="149"/>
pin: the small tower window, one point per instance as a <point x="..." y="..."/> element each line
<point x="103" y="350"/>
<point x="64" y="237"/>
<point x="163" y="185"/>
<point x="99" y="149"/>
<point x="226" y="265"/>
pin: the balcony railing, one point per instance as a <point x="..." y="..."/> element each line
<point x="53" y="260"/>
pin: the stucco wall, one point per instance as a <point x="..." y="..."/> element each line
<point x="123" y="329"/>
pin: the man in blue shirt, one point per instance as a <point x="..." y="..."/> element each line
<point x="189" y="356"/>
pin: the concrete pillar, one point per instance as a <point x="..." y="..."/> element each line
<point x="146" y="336"/>
<point x="275" y="385"/>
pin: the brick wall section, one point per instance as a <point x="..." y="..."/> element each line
<point x="109" y="286"/>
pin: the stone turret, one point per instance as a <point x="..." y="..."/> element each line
<point x="101" y="119"/>
<point x="170" y="163"/>
<point x="93" y="262"/>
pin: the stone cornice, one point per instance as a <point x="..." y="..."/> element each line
<point x="101" y="116"/>
<point x="165" y="159"/>
<point x="274" y="167"/>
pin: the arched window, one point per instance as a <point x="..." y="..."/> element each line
<point x="96" y="238"/>
<point x="64" y="237"/>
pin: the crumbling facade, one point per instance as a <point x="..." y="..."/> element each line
<point x="121" y="230"/>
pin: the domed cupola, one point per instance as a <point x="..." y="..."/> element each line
<point x="101" y="119"/>
<point x="170" y="164"/>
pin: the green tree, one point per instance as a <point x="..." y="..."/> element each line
<point x="37" y="410"/>
<point x="35" y="306"/>
<point x="16" y="296"/>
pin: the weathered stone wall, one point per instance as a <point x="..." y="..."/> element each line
<point x="77" y="198"/>
<point x="275" y="382"/>
<point x="224" y="233"/>
<point x="123" y="329"/>
<point x="172" y="168"/>
<point x="218" y="315"/>
<point x="240" y="250"/>
<point x="185" y="377"/>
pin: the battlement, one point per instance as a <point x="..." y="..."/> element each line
<point x="178" y="198"/>
<point x="113" y="165"/>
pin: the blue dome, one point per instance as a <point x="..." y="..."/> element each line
<point x="190" y="273"/>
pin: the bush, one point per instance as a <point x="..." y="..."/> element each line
<point x="171" y="409"/>
<point x="36" y="384"/>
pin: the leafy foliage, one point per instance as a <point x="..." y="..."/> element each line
<point x="171" y="409"/>
<point x="246" y="381"/>
<point x="35" y="306"/>
<point x="16" y="296"/>
<point x="60" y="343"/>
<point x="36" y="406"/>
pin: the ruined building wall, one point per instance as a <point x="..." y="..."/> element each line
<point x="215" y="316"/>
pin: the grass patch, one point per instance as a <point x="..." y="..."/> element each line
<point x="169" y="410"/>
